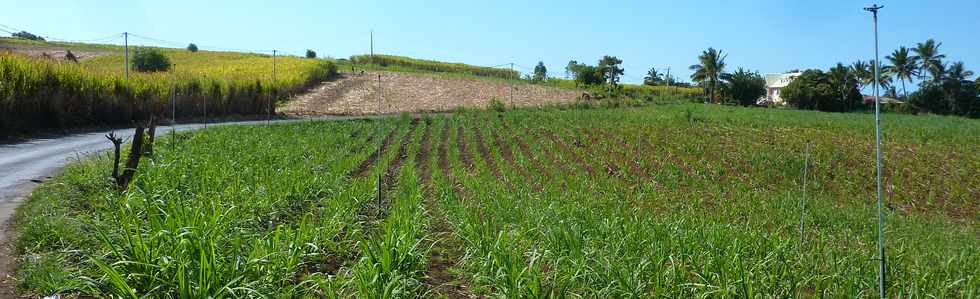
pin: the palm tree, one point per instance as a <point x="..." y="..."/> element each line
<point x="884" y="76"/>
<point x="956" y="77"/>
<point x="653" y="77"/>
<point x="712" y="65"/>
<point x="843" y="78"/>
<point x="862" y="73"/>
<point x="929" y="59"/>
<point x="903" y="66"/>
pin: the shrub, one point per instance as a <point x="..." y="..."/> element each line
<point x="310" y="53"/>
<point x="27" y="35"/>
<point x="192" y="47"/>
<point x="496" y="105"/>
<point x="150" y="60"/>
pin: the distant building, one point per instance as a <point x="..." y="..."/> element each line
<point x="868" y="99"/>
<point x="774" y="84"/>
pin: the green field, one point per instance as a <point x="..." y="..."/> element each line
<point x="684" y="200"/>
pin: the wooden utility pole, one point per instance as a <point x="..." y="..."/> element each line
<point x="126" y="43"/>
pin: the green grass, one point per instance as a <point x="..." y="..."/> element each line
<point x="684" y="200"/>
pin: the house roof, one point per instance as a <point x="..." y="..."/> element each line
<point x="884" y="100"/>
<point x="780" y="80"/>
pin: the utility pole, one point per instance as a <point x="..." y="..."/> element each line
<point x="668" y="79"/>
<point x="881" y="217"/>
<point x="126" y="43"/>
<point x="372" y="54"/>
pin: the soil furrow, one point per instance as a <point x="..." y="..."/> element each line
<point x="446" y="249"/>
<point x="422" y="157"/>
<point x="485" y="153"/>
<point x="464" y="150"/>
<point x="365" y="165"/>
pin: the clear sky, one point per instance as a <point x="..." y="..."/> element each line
<point x="765" y="36"/>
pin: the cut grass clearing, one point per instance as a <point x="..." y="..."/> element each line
<point x="681" y="201"/>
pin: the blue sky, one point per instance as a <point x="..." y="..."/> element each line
<point x="765" y="36"/>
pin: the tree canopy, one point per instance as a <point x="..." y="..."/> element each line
<point x="540" y="72"/>
<point x="150" y="60"/>
<point x="744" y="87"/>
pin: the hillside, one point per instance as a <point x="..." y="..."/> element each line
<point x="357" y="94"/>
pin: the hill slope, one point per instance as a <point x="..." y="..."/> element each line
<point x="419" y="92"/>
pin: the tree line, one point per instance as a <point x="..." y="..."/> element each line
<point x="944" y="87"/>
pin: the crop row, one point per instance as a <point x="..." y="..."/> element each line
<point x="525" y="203"/>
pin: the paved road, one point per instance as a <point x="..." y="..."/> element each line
<point x="24" y="163"/>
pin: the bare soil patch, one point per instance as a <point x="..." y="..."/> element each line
<point x="357" y="94"/>
<point x="53" y="51"/>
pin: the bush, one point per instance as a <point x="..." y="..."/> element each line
<point x="192" y="47"/>
<point x="310" y="53"/>
<point x="496" y="105"/>
<point x="150" y="60"/>
<point x="27" y="35"/>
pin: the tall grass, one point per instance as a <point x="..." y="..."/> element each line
<point x="38" y="94"/>
<point x="434" y="66"/>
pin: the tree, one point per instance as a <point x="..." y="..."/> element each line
<point x="150" y="60"/>
<point x="570" y="68"/>
<point x="610" y="70"/>
<point x="540" y="72"/>
<point x="928" y="58"/>
<point x="585" y="74"/>
<point x="745" y="87"/>
<point x="27" y="35"/>
<point x="653" y="77"/>
<point x="712" y="65"/>
<point x="192" y="47"/>
<point x="813" y="90"/>
<point x="959" y="89"/>
<point x="884" y="77"/>
<point x="310" y="53"/>
<point x="846" y="85"/>
<point x="903" y="66"/>
<point x="863" y="73"/>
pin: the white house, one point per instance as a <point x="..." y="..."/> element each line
<point x="775" y="83"/>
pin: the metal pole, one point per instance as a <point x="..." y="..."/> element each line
<point x="126" y="42"/>
<point x="512" y="85"/>
<point x="806" y="169"/>
<point x="173" y="111"/>
<point x="881" y="216"/>
<point x="380" y="139"/>
<point x="372" y="50"/>
<point x="273" y="85"/>
<point x="668" y="79"/>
